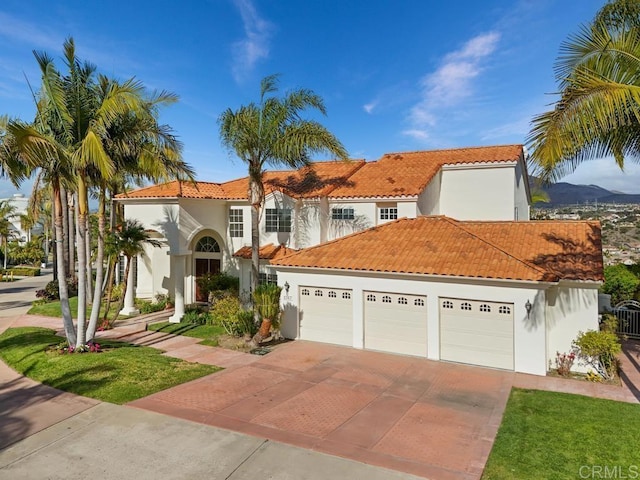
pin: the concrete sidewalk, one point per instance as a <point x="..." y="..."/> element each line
<point x="114" y="442"/>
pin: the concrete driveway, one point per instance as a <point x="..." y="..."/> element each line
<point x="426" y="418"/>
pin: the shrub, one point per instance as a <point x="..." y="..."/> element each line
<point x="609" y="323"/>
<point x="22" y="271"/>
<point x="266" y="300"/>
<point x="51" y="290"/>
<point x="117" y="292"/>
<point x="218" y="282"/>
<point x="29" y="253"/>
<point x="564" y="362"/>
<point x="620" y="282"/>
<point x="598" y="349"/>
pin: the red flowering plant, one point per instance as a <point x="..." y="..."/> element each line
<point x="564" y="362"/>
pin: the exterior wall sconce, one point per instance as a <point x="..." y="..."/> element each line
<point x="286" y="287"/>
<point x="528" y="307"/>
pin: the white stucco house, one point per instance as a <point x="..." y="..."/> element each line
<point x="421" y="253"/>
<point x="21" y="204"/>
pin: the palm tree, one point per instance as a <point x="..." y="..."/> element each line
<point x="273" y="132"/>
<point x="7" y="211"/>
<point x="598" y="113"/>
<point x="131" y="239"/>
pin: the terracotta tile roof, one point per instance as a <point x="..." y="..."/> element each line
<point x="532" y="251"/>
<point x="267" y="252"/>
<point x="407" y="174"/>
<point x="570" y="249"/>
<point x="394" y="175"/>
<point x="309" y="182"/>
<point x="177" y="189"/>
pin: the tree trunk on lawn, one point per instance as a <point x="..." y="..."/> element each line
<point x="124" y="289"/>
<point x="67" y="321"/>
<point x="71" y="234"/>
<point x="88" y="260"/>
<point x="65" y="232"/>
<point x="81" y="238"/>
<point x="256" y="198"/>
<point x="97" y="294"/>
<point x="111" y="266"/>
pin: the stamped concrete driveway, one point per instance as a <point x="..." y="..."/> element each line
<point x="427" y="418"/>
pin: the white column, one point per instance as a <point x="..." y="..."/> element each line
<point x="177" y="272"/>
<point x="130" y="295"/>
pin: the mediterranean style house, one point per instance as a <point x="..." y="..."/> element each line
<point x="425" y="253"/>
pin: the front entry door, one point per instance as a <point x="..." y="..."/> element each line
<point x="204" y="266"/>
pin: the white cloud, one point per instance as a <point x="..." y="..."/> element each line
<point x="369" y="107"/>
<point x="417" y="134"/>
<point x="604" y="173"/>
<point x="19" y="31"/>
<point x="255" y="45"/>
<point x="452" y="82"/>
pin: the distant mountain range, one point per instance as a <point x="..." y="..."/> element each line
<point x="563" y="193"/>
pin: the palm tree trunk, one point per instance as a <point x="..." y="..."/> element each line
<point x="97" y="294"/>
<point x="65" y="231"/>
<point x="111" y="265"/>
<point x="67" y="321"/>
<point x="81" y="241"/>
<point x="71" y="235"/>
<point x="256" y="197"/>
<point x="88" y="260"/>
<point x="124" y="289"/>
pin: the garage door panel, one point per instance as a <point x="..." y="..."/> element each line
<point x="477" y="332"/>
<point x="395" y="323"/>
<point x="326" y="315"/>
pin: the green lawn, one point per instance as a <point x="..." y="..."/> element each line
<point x="120" y="374"/>
<point x="558" y="435"/>
<point x="52" y="309"/>
<point x="209" y="333"/>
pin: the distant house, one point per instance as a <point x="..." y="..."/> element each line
<point x="21" y="203"/>
<point x="422" y="253"/>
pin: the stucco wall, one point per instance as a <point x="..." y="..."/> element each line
<point x="570" y="309"/>
<point x="429" y="199"/>
<point x="529" y="330"/>
<point x="485" y="193"/>
<point x="521" y="195"/>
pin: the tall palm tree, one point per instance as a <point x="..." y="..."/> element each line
<point x="273" y="132"/>
<point x="598" y="113"/>
<point x="131" y="239"/>
<point x="7" y="211"/>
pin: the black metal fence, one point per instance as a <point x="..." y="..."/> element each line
<point x="628" y="314"/>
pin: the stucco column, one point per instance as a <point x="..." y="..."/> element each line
<point x="129" y="296"/>
<point x="177" y="272"/>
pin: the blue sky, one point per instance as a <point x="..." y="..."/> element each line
<point x="395" y="76"/>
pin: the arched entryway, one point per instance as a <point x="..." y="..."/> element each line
<point x="206" y="259"/>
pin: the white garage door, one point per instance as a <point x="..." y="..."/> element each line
<point x="395" y="323"/>
<point x="326" y="315"/>
<point x="475" y="332"/>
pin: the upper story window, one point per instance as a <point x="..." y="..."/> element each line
<point x="236" y="227"/>
<point x="342" y="214"/>
<point x="278" y="219"/>
<point x="207" y="244"/>
<point x="388" y="213"/>
<point x="264" y="278"/>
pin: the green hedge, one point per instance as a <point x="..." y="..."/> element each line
<point x="22" y="271"/>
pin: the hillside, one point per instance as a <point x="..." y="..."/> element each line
<point x="563" y="193"/>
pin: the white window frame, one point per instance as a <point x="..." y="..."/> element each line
<point x="340" y="213"/>
<point x="277" y="220"/>
<point x="236" y="223"/>
<point x="388" y="212"/>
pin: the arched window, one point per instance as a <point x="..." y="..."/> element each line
<point x="402" y="300"/>
<point x="208" y="245"/>
<point x="447" y="304"/>
<point x="332" y="294"/>
<point x="418" y="302"/>
<point x="318" y="293"/>
<point x="305" y="291"/>
<point x="346" y="295"/>
<point x="386" y="299"/>
<point x="504" y="309"/>
<point x="371" y="298"/>
<point x="465" y="306"/>
<point x="485" y="308"/>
